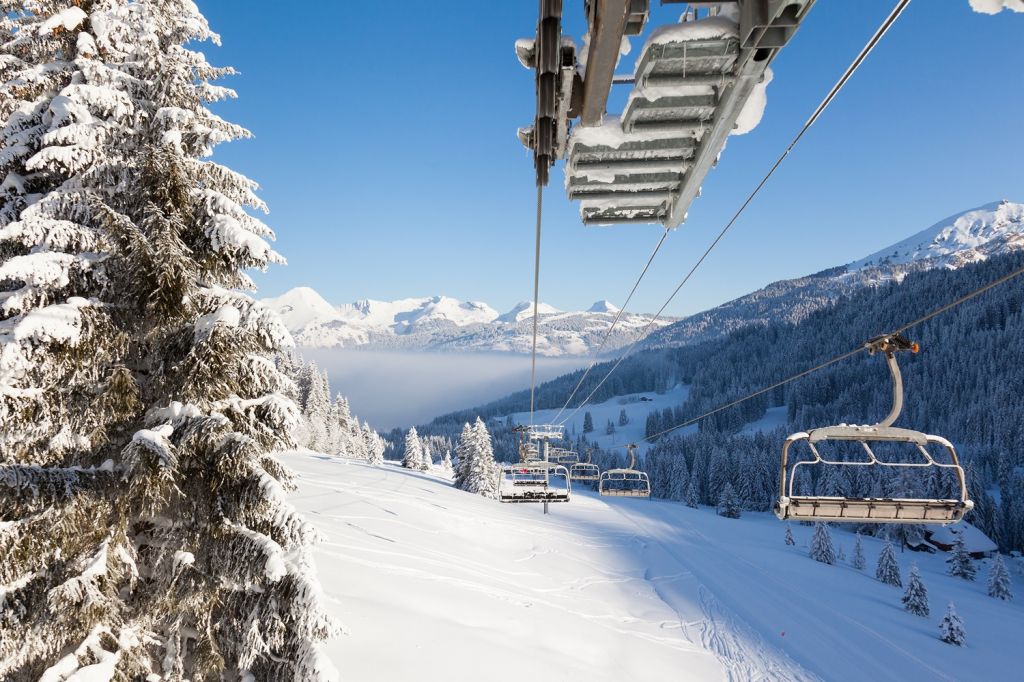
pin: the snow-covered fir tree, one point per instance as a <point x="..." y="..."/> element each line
<point x="318" y="411"/>
<point x="888" y="570"/>
<point x="789" y="536"/>
<point x="960" y="563"/>
<point x="413" y="452"/>
<point x="623" y="417"/>
<point x="478" y="472"/>
<point x="146" y="531"/>
<point x="840" y="553"/>
<point x="915" y="599"/>
<point x="692" y="499"/>
<point x="858" y="561"/>
<point x="728" y="503"/>
<point x="999" y="580"/>
<point x="588" y="422"/>
<point x="446" y="463"/>
<point x="428" y="458"/>
<point x="821" y="545"/>
<point x="951" y="629"/>
<point x="464" y="455"/>
<point x="373" y="445"/>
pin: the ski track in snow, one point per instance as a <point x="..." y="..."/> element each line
<point x="601" y="589"/>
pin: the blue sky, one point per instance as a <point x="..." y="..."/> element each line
<point x="385" y="144"/>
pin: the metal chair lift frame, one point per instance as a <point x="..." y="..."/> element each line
<point x="585" y="471"/>
<point x="563" y="456"/>
<point x="625" y="482"/>
<point x="873" y="510"/>
<point x="535" y="480"/>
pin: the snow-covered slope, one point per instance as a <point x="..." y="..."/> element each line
<point x="434" y="584"/>
<point x="443" y="323"/>
<point x="990" y="230"/>
<point x="974" y="235"/>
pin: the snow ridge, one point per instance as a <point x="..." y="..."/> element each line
<point x="441" y="323"/>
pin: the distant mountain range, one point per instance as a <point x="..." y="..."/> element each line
<point x="441" y="323"/>
<point x="969" y="237"/>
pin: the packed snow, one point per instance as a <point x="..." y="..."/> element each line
<point x="436" y="584"/>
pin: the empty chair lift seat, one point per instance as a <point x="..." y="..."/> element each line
<point x="534" y="482"/>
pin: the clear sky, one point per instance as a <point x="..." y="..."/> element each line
<point x="385" y="144"/>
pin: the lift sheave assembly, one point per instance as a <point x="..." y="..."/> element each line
<point x="695" y="83"/>
<point x="868" y="509"/>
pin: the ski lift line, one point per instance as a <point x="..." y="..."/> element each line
<point x="850" y="70"/>
<point x="899" y="330"/>
<point x="615" y="322"/>
<point x="536" y="301"/>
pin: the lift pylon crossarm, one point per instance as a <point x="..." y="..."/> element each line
<point x="692" y="80"/>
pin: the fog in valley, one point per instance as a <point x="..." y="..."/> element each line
<point x="390" y="389"/>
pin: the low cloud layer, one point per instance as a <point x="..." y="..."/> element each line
<point x="391" y="389"/>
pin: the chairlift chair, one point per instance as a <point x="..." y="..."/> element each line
<point x="585" y="472"/>
<point x="534" y="482"/>
<point x="625" y="482"/>
<point x="864" y="509"/>
<point x="563" y="456"/>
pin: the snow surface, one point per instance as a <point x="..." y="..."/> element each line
<point x="753" y="109"/>
<point x="437" y="584"/>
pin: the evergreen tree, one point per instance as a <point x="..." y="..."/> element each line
<point x="915" y="599"/>
<point x="623" y="417"/>
<point x="789" y="537"/>
<point x="446" y="463"/>
<point x="374" y="445"/>
<point x="478" y="472"/>
<point x="692" y="499"/>
<point x="951" y="629"/>
<point x="464" y="450"/>
<point x="821" y="545"/>
<point x="888" y="570"/>
<point x="610" y="428"/>
<point x="999" y="580"/>
<point x="145" y="522"/>
<point x="960" y="563"/>
<point x="728" y="504"/>
<point x="841" y="554"/>
<point x="859" y="562"/>
<point x="588" y="422"/>
<point x="413" y="452"/>
<point x="428" y="458"/>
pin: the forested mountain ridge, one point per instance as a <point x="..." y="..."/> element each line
<point x="990" y="230"/>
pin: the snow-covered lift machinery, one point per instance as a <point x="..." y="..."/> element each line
<point x="585" y="472"/>
<point x="694" y="84"/>
<point x="867" y="509"/>
<point x="627" y="482"/>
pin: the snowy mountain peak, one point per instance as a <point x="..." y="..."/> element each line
<point x="300" y="306"/>
<point x="443" y="323"/>
<point x="604" y="306"/>
<point x="963" y="238"/>
<point x="524" y="310"/>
